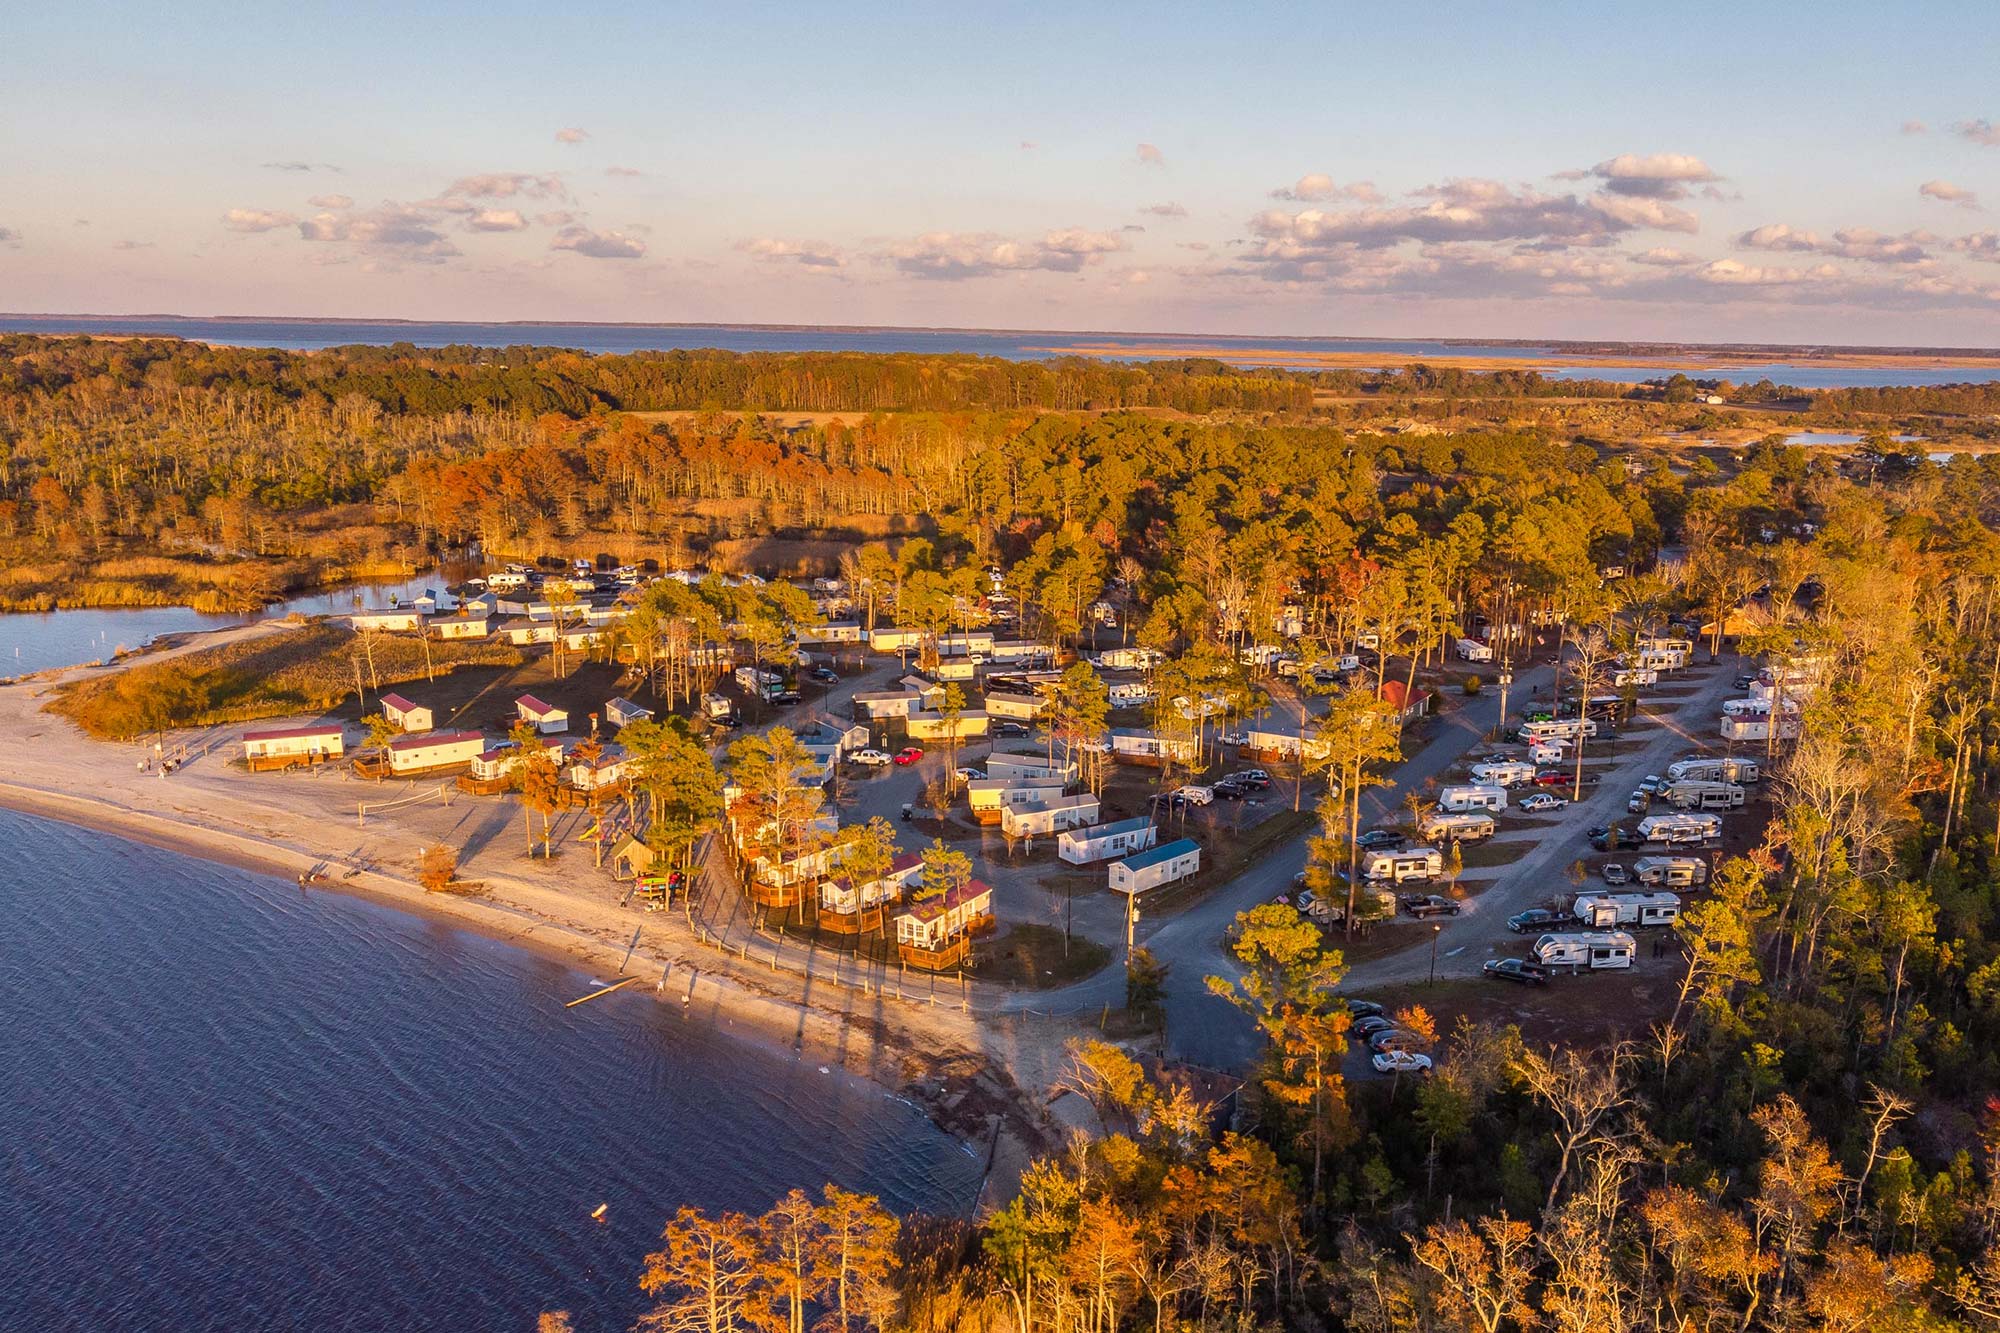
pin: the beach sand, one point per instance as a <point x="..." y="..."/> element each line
<point x="968" y="1071"/>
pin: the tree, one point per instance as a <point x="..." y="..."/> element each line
<point x="703" y="1275"/>
<point x="1358" y="736"/>
<point x="946" y="870"/>
<point x="1080" y="707"/>
<point x="787" y="1240"/>
<point x="437" y="867"/>
<point x="1583" y="1090"/>
<point x="1485" y="1271"/>
<point x="539" y="782"/>
<point x="1145" y="982"/>
<point x="951" y="711"/>
<point x="678" y="779"/>
<point x="381" y="731"/>
<point x="779" y="779"/>
<point x="852" y="1262"/>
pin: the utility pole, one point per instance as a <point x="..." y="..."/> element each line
<point x="1506" y="679"/>
<point x="1131" y="921"/>
<point x="1437" y="929"/>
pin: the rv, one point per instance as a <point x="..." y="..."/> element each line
<point x="1403" y="864"/>
<point x="1680" y="828"/>
<point x="761" y="682"/>
<point x="1634" y="676"/>
<point x="1602" y="911"/>
<point x="1543" y="752"/>
<point x="1759" y="728"/>
<point x="1472" y="650"/>
<point x="1712" y="770"/>
<point x="1694" y="795"/>
<point x="717" y="708"/>
<point x="1581" y="949"/>
<point x="1672" y="872"/>
<point x="1558" y="729"/>
<point x="1505" y="772"/>
<point x="1454" y="800"/>
<point x="1469" y="827"/>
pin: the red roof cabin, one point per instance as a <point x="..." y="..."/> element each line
<point x="283" y="747"/>
<point x="546" y="718"/>
<point x="406" y="716"/>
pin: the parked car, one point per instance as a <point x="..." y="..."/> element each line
<point x="1551" y="777"/>
<point x="1517" y="970"/>
<point x="1368" y="1025"/>
<point x="968" y="775"/>
<point x="1652" y="784"/>
<point x="1615" y="873"/>
<point x="1534" y="921"/>
<point x="1745" y="682"/>
<point x="1378" y="837"/>
<point x="1196" y="794"/>
<point x="1542" y="800"/>
<point x="1235" y="738"/>
<point x="1009" y="729"/>
<point x="909" y="754"/>
<point x="1360" y="1009"/>
<point x="786" y="697"/>
<point x="1229" y="791"/>
<point x="826" y="675"/>
<point x="1401" y="1062"/>
<point x="1253" y="775"/>
<point x="870" y="758"/>
<point x="1639" y="803"/>
<point x="1251" y="782"/>
<point x="1429" y="905"/>
<point x="1394" y="1040"/>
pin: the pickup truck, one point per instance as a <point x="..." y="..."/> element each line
<point x="1429" y="905"/>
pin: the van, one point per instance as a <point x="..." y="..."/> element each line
<point x="1505" y="772"/>
<point x="1581" y="949"/>
<point x="1671" y="872"/>
<point x="1468" y="827"/>
<point x="1404" y="864"/>
<point x="1452" y="800"/>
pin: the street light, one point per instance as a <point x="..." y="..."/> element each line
<point x="1437" y="929"/>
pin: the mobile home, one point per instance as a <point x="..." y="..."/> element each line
<point x="1131" y="745"/>
<point x="936" y="932"/>
<point x="1454" y="800"/>
<point x="434" y="752"/>
<point x="875" y="705"/>
<point x="923" y="726"/>
<point x="623" y="713"/>
<point x="985" y="796"/>
<point x="543" y="717"/>
<point x="471" y="625"/>
<point x="1029" y="766"/>
<point x="1017" y="707"/>
<point x="1160" y="865"/>
<point x="1602" y="911"/>
<point x="282" y="747"/>
<point x="1672" y="872"/>
<point x="1100" y="842"/>
<point x="894" y="639"/>
<point x="390" y="620"/>
<point x="1026" y="818"/>
<point x="1273" y="746"/>
<point x="495" y="765"/>
<point x="1404" y="864"/>
<point x="607" y="770"/>
<point x="1592" y="949"/>
<point x="847" y="908"/>
<point x="404" y="715"/>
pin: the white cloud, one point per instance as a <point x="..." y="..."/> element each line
<point x="1946" y="192"/>
<point x="1734" y="273"/>
<point x="955" y="256"/>
<point x="572" y="134"/>
<point x="1316" y="186"/>
<point x="1459" y="210"/>
<point x="1980" y="245"/>
<point x="623" y="171"/>
<point x="598" y="244"/>
<point x="393" y="231"/>
<point x="1644" y="211"/>
<point x="1661" y="256"/>
<point x="505" y="185"/>
<point x="1859" y="243"/>
<point x="1168" y="210"/>
<point x="256" y="219"/>
<point x="1978" y="131"/>
<point x="1778" y="236"/>
<point x="1915" y="127"/>
<point x="1151" y="156"/>
<point x="335" y="201"/>
<point x="809" y="254"/>
<point x="1652" y="175"/>
<point x="496" y="219"/>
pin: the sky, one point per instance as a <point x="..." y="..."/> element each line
<point x="1714" y="173"/>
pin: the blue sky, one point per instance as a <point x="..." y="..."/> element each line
<point x="1602" y="170"/>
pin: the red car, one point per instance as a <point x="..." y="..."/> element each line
<point x="1552" y="777"/>
<point x="908" y="755"/>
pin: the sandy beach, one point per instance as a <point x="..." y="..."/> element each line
<point x="964" y="1068"/>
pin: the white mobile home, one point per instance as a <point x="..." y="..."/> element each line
<point x="282" y="747"/>
<point x="1403" y="864"/>
<point x="878" y="704"/>
<point x="1028" y="818"/>
<point x="404" y="715"/>
<point x="1132" y="745"/>
<point x="1100" y="842"/>
<point x="391" y="620"/>
<point x="608" y="768"/>
<point x="1019" y="707"/>
<point x="1272" y="746"/>
<point x="1673" y="872"/>
<point x="521" y="632"/>
<point x="895" y="639"/>
<point x="833" y="631"/>
<point x="1148" y="870"/>
<point x="924" y="726"/>
<point x="1602" y="911"/>
<point x="434" y="752"/>
<point x="1578" y="949"/>
<point x="1454" y="800"/>
<point x="468" y="626"/>
<point x="544" y="717"/>
<point x="1029" y="766"/>
<point x="985" y="796"/>
<point x="497" y="762"/>
<point x="623" y="713"/>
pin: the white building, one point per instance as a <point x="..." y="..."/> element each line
<point x="623" y="713"/>
<point x="1029" y="766"/>
<point x="1100" y="842"/>
<point x="544" y="717"/>
<point x="434" y="752"/>
<point x="404" y="715"/>
<point x="1025" y="819"/>
<point x="282" y="747"/>
<point x="1150" y="869"/>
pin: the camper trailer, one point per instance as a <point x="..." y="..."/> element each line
<point x="1602" y="911"/>
<point x="1693" y="795"/>
<point x="1458" y="827"/>
<point x="1454" y="800"/>
<point x="1559" y="729"/>
<point x="1577" y="950"/>
<point x="1670" y="872"/>
<point x="1505" y="772"/>
<point x="1472" y="650"/>
<point x="1713" y="770"/>
<point x="1404" y="864"/>
<point x="1680" y="829"/>
<point x="1634" y="676"/>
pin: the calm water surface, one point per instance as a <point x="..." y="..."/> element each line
<point x="231" y="1104"/>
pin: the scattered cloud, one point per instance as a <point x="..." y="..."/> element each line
<point x="256" y="219"/>
<point x="1980" y="245"/>
<point x="1151" y="156"/>
<point x="506" y="185"/>
<point x="1734" y="273"/>
<point x="335" y="201"/>
<point x="496" y="219"/>
<point x="133" y="245"/>
<point x="1979" y="131"/>
<point x="561" y="217"/>
<point x="957" y="256"/>
<point x="1915" y="127"/>
<point x="808" y="254"/>
<point x="1649" y="175"/>
<point x="1661" y="256"/>
<point x="1137" y="277"/>
<point x="598" y="244"/>
<point x="572" y="134"/>
<point x="1860" y="243"/>
<point x="1029" y="145"/>
<point x="390" y="231"/>
<point x="623" y="171"/>
<point x="1315" y="187"/>
<point x="1644" y="211"/>
<point x="1778" y="236"/>
<point x="1132" y="226"/>
<point x="1946" y="192"/>
<point x="1168" y="210"/>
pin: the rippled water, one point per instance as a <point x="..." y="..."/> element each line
<point x="231" y="1104"/>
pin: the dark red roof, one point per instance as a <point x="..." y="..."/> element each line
<point x="427" y="739"/>
<point x="294" y="733"/>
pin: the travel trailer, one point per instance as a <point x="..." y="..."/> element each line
<point x="1586" y="949"/>
<point x="1504" y="772"/>
<point x="1713" y="770"/>
<point x="1695" y="795"/>
<point x="1467" y="827"/>
<point x="1558" y="729"/>
<point x="1676" y="829"/>
<point x="1602" y="911"/>
<point x="1672" y="872"/>
<point x="1404" y="864"/>
<point x="1456" y="799"/>
<point x="1472" y="650"/>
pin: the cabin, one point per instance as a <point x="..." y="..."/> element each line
<point x="1029" y="766"/>
<point x="434" y="752"/>
<point x="492" y="769"/>
<point x="986" y="796"/>
<point x="832" y="632"/>
<point x="1147" y="870"/>
<point x="388" y="620"/>
<point x="894" y="639"/>
<point x="924" y="726"/>
<point x="406" y="716"/>
<point x="471" y="625"/>
<point x="608" y="770"/>
<point x="1133" y="745"/>
<point x="1100" y="842"/>
<point x="543" y="717"/>
<point x="1016" y="707"/>
<point x="286" y="747"/>
<point x="935" y="933"/>
<point x="522" y="632"/>
<point x="1270" y="747"/>
<point x="623" y="713"/>
<point x="875" y="705"/>
<point x="847" y="908"/>
<point x="1405" y="702"/>
<point x="1025" y="819"/>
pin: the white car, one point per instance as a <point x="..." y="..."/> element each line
<point x="1195" y="794"/>
<point x="1542" y="800"/>
<point x="872" y="758"/>
<point x="969" y="775"/>
<point x="1401" y="1062"/>
<point x="1235" y="738"/>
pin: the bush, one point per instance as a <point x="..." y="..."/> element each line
<point x="1472" y="685"/>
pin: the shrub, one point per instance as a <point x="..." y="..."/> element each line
<point x="1472" y="685"/>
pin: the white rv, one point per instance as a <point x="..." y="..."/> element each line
<point x="1403" y="864"/>
<point x="1579" y="949"/>
<point x="1558" y="729"/>
<point x="1713" y="770"/>
<point x="1602" y="911"/>
<point x="1680" y="828"/>
<point x="1672" y="872"/>
<point x="1466" y="827"/>
<point x="1634" y="676"/>
<point x="1472" y="650"/>
<point x="1454" y="800"/>
<point x="1696" y="795"/>
<point x="1505" y="772"/>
